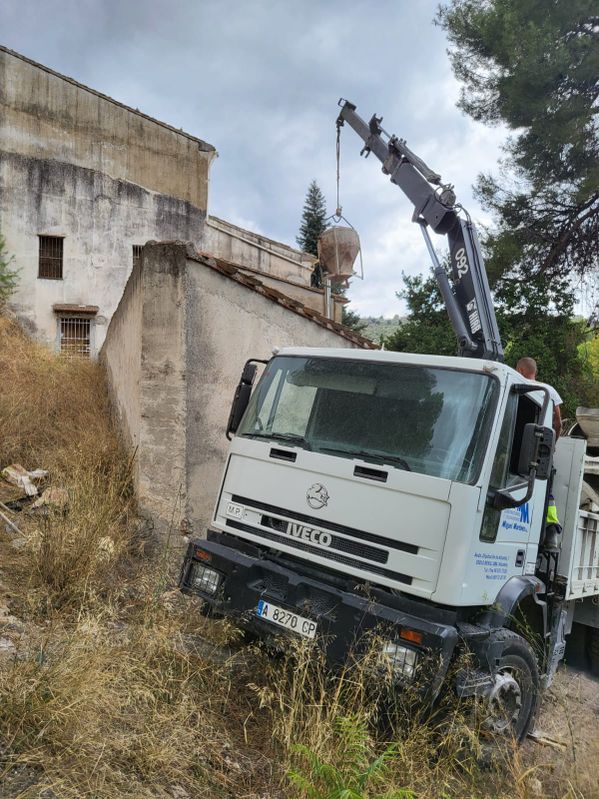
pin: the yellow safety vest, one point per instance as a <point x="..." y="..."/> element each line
<point x="551" y="511"/>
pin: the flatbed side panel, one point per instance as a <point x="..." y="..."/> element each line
<point x="583" y="580"/>
<point x="568" y="460"/>
<point x="579" y="559"/>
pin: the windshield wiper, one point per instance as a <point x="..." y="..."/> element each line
<point x="290" y="438"/>
<point x="375" y="457"/>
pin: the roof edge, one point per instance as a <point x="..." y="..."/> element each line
<point x="203" y="145"/>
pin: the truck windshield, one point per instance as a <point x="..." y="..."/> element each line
<point x="428" y="420"/>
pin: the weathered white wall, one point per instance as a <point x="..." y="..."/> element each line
<point x="163" y="385"/>
<point x="47" y="115"/>
<point x="225" y="240"/>
<point x="74" y="163"/>
<point x="284" y="268"/>
<point x="174" y="352"/>
<point x="227" y="323"/>
<point x="121" y="357"/>
<point x="100" y="219"/>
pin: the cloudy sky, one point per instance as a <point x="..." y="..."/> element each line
<point x="260" y="80"/>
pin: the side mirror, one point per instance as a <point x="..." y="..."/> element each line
<point x="534" y="463"/>
<point x="241" y="398"/>
<point x="536" y="451"/>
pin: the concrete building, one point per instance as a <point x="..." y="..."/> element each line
<point x="84" y="182"/>
<point x="174" y="352"/>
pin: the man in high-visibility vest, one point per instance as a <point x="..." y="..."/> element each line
<point x="527" y="367"/>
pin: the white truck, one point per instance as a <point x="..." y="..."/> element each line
<point x="368" y="490"/>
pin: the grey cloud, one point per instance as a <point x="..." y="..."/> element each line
<point x="260" y="81"/>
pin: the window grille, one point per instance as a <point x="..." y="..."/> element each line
<point x="137" y="248"/>
<point x="75" y="336"/>
<point x="50" y="257"/>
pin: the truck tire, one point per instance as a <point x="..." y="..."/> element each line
<point x="593" y="650"/>
<point x="514" y="698"/>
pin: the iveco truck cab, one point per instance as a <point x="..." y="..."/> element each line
<point x="405" y="494"/>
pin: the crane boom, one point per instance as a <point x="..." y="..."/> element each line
<point x="468" y="298"/>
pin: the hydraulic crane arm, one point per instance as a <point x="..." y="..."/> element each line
<point x="468" y="302"/>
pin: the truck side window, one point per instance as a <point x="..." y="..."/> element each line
<point x="520" y="410"/>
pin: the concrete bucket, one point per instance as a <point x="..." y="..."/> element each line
<point x="338" y="248"/>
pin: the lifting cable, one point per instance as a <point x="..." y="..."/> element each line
<point x="338" y="217"/>
<point x="338" y="210"/>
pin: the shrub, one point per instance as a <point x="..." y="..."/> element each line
<point x="8" y="276"/>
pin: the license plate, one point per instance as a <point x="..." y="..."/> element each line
<point x="287" y="619"/>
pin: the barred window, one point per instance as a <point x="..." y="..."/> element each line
<point x="137" y="248"/>
<point x="75" y="336"/>
<point x="50" y="257"/>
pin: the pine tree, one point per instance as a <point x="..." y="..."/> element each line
<point x="353" y="320"/>
<point x="533" y="66"/>
<point x="313" y="219"/>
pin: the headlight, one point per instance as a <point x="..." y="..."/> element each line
<point x="401" y="659"/>
<point x="204" y="579"/>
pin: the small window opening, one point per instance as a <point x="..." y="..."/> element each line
<point x="75" y="336"/>
<point x="50" y="257"/>
<point x="137" y="248"/>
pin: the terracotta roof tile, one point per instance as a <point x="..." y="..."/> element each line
<point x="234" y="272"/>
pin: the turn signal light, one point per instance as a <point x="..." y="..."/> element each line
<point x="411" y="635"/>
<point x="201" y="554"/>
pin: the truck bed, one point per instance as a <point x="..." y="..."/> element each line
<point x="579" y="559"/>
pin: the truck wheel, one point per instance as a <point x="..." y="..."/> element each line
<point x="593" y="650"/>
<point x="512" y="702"/>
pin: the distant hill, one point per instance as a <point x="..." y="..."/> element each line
<point x="377" y="326"/>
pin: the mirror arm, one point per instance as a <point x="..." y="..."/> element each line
<point x="503" y="498"/>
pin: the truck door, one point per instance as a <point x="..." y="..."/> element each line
<point x="518" y="526"/>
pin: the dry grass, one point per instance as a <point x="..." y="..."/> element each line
<point x="103" y="697"/>
<point x="53" y="411"/>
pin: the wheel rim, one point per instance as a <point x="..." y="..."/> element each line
<point x="504" y="703"/>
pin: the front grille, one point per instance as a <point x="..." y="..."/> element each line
<point x="342" y="544"/>
<point x="372" y="538"/>
<point x="325" y="553"/>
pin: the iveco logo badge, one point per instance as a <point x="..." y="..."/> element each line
<point x="309" y="534"/>
<point x="317" y="496"/>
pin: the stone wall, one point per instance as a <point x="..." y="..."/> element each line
<point x="190" y="327"/>
<point x="121" y="356"/>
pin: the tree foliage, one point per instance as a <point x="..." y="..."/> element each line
<point x="533" y="65"/>
<point x="353" y="320"/>
<point x="314" y="218"/>
<point x="427" y="329"/>
<point x="558" y="342"/>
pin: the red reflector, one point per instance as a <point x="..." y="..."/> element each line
<point x="201" y="554"/>
<point x="411" y="635"/>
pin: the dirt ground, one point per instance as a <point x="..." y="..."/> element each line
<point x="568" y="722"/>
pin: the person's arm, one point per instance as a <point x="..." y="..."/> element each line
<point x="557" y="421"/>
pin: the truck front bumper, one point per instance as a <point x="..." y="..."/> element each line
<point x="346" y="621"/>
